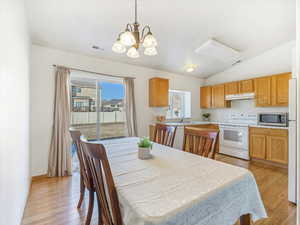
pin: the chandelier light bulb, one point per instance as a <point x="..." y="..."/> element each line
<point x="133" y="53"/>
<point x="134" y="37"/>
<point x="149" y="41"/>
<point x="151" y="51"/>
<point x="127" y="38"/>
<point x="118" y="47"/>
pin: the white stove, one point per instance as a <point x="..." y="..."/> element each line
<point x="243" y="119"/>
<point x="234" y="135"/>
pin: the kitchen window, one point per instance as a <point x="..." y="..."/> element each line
<point x="179" y="104"/>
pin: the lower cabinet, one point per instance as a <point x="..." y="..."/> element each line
<point x="258" y="146"/>
<point x="277" y="149"/>
<point x="269" y="144"/>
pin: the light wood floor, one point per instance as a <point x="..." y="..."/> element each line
<point x="53" y="201"/>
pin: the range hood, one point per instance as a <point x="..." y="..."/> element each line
<point x="239" y="96"/>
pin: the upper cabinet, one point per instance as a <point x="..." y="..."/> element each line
<point x="272" y="90"/>
<point x="239" y="87"/>
<point x="232" y="88"/>
<point x="280" y="89"/>
<point x="218" y="96"/>
<point x="263" y="91"/>
<point x="205" y="97"/>
<point x="246" y="86"/>
<point x="158" y="92"/>
<point x="269" y="91"/>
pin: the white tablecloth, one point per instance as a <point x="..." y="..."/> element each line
<point x="179" y="188"/>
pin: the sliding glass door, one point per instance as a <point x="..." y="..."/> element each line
<point x="112" y="112"/>
<point x="97" y="106"/>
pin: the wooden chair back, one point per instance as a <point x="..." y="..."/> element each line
<point x="200" y="141"/>
<point x="104" y="183"/>
<point x="84" y="170"/>
<point x="164" y="134"/>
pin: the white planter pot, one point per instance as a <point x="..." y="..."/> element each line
<point x="144" y="153"/>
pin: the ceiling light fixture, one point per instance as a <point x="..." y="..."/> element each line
<point x="190" y="68"/>
<point x="133" y="39"/>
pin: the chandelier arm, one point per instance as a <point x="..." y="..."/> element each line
<point x="133" y="31"/>
<point x="129" y="27"/>
<point x="143" y="31"/>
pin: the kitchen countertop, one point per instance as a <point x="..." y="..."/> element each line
<point x="271" y="127"/>
<point x="186" y="123"/>
<point x="190" y="123"/>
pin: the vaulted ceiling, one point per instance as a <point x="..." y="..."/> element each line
<point x="250" y="26"/>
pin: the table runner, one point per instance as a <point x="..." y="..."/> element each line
<point x="180" y="188"/>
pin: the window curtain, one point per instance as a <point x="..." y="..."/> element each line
<point x="130" y="107"/>
<point x="59" y="163"/>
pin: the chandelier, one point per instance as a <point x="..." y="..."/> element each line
<point x="133" y="39"/>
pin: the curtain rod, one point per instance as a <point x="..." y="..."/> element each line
<point x="109" y="75"/>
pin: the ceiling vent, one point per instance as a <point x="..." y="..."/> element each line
<point x="219" y="52"/>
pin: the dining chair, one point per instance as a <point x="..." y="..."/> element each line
<point x="109" y="212"/>
<point x="86" y="180"/>
<point x="164" y="134"/>
<point x="200" y="141"/>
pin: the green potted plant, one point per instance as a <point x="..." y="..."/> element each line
<point x="144" y="148"/>
<point x="205" y="116"/>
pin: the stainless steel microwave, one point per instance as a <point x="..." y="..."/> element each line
<point x="273" y="119"/>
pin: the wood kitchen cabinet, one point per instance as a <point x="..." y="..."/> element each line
<point x="263" y="91"/>
<point x="269" y="144"/>
<point x="258" y="146"/>
<point x="269" y="91"/>
<point x="205" y="97"/>
<point x="239" y="87"/>
<point x="246" y="86"/>
<point x="158" y="92"/>
<point x="280" y="89"/>
<point x="218" y="97"/>
<point x="232" y="88"/>
<point x="277" y="149"/>
<point x="272" y="90"/>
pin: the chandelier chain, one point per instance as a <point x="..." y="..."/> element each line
<point x="136" y="11"/>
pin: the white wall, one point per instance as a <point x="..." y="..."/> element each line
<point x="42" y="92"/>
<point x="276" y="60"/>
<point x="14" y="114"/>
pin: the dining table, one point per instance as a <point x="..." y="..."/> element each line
<point x="174" y="187"/>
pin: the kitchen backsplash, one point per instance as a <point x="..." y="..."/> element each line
<point x="247" y="106"/>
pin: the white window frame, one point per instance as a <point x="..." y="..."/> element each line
<point x="186" y="105"/>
